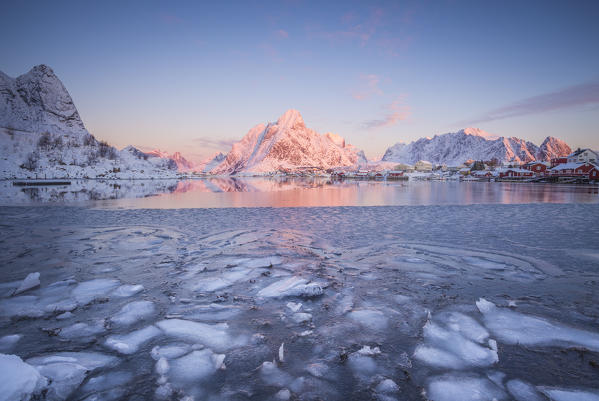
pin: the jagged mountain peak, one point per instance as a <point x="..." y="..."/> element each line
<point x="478" y="132"/>
<point x="37" y="101"/>
<point x="287" y="145"/>
<point x="291" y="119"/>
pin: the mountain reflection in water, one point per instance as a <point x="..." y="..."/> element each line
<point x="290" y="192"/>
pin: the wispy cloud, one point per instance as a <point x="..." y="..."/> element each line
<point x="572" y="96"/>
<point x="171" y="19"/>
<point x="281" y="34"/>
<point x="211" y="143"/>
<point x="396" y="111"/>
<point x="369" y="87"/>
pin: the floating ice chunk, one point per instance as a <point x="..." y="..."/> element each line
<point x="294" y="306"/>
<point x="463" y="388"/>
<point x="317" y="369"/>
<point x="450" y="349"/>
<point x="68" y="369"/>
<point x="127" y="290"/>
<point x="164" y="391"/>
<point x="362" y="365"/>
<point x="301" y="317"/>
<point x="7" y="343"/>
<point x="65" y="378"/>
<point x="21" y="306"/>
<point x="366" y="350"/>
<point x="89" y="360"/>
<point x="197" y="365"/>
<point x="162" y="366"/>
<point x="273" y="376"/>
<point x="516" y="328"/>
<point x="63" y="316"/>
<point x="292" y="286"/>
<point x="170" y="351"/>
<point x="82" y="330"/>
<point x="209" y="313"/>
<point x="305" y="333"/>
<point x="523" y="391"/>
<point x="283" y="395"/>
<point x="19" y="380"/>
<point x="464" y="325"/>
<point x="215" y="336"/>
<point x="130" y="343"/>
<point x="31" y="281"/>
<point x="369" y="318"/>
<point x="133" y="312"/>
<point x="560" y="394"/>
<point x="88" y="291"/>
<point x="282" y="352"/>
<point x="387" y="386"/>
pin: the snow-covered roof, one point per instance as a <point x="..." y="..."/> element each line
<point x="567" y="166"/>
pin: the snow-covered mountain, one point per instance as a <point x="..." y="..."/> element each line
<point x="182" y="163"/>
<point x="43" y="136"/>
<point x="287" y="145"/>
<point x="474" y="144"/>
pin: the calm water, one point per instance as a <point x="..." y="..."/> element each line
<point x="263" y="192"/>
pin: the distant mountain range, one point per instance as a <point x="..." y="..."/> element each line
<point x="474" y="144"/>
<point x="42" y="135"/>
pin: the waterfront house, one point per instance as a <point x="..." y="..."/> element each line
<point x="583" y="156"/>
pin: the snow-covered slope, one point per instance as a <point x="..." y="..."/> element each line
<point x="474" y="144"/>
<point x="43" y="136"/>
<point x="182" y="163"/>
<point x="551" y="148"/>
<point x="287" y="145"/>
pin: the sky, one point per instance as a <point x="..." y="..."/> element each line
<point x="195" y="76"/>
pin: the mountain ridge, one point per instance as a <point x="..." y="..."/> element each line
<point x="454" y="148"/>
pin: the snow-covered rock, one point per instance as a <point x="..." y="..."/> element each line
<point x="455" y="148"/>
<point x="286" y="146"/>
<point x="43" y="136"/>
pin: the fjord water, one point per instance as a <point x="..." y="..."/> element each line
<point x="291" y="192"/>
<point x="459" y="291"/>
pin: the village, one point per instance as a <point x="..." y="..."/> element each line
<point x="581" y="166"/>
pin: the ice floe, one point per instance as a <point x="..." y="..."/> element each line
<point x="7" y="343"/>
<point x="31" y="281"/>
<point x="456" y="341"/>
<point x="292" y="286"/>
<point x="274" y="376"/>
<point x="130" y="343"/>
<point x="127" y="290"/>
<point x="369" y="318"/>
<point x="463" y="388"/>
<point x="215" y="336"/>
<point x="561" y="394"/>
<point x="89" y="291"/>
<point x="81" y="331"/>
<point x="67" y="370"/>
<point x="523" y="391"/>
<point x="517" y="328"/>
<point x="133" y="312"/>
<point x="19" y="380"/>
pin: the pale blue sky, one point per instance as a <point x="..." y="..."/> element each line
<point x="193" y="76"/>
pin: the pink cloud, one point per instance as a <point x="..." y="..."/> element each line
<point x="397" y="111"/>
<point x="282" y="34"/>
<point x="171" y="19"/>
<point x="369" y="87"/>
